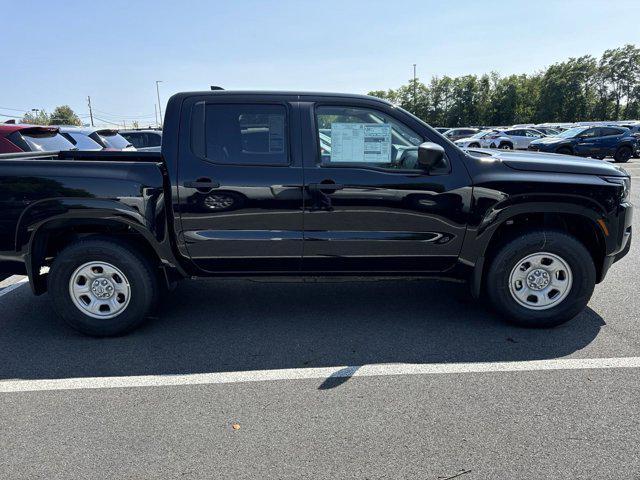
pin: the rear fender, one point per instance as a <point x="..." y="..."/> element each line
<point x="141" y="215"/>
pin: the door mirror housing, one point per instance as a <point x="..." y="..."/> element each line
<point x="430" y="155"/>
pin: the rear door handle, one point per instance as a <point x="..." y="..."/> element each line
<point x="202" y="184"/>
<point x="319" y="187"/>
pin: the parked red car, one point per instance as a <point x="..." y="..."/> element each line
<point x="31" y="138"/>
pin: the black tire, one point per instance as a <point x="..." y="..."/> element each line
<point x="564" y="151"/>
<point x="623" y="154"/>
<point x="505" y="146"/>
<point x="572" y="251"/>
<point x="474" y="145"/>
<point x="138" y="270"/>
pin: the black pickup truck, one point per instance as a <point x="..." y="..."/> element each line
<point x="264" y="184"/>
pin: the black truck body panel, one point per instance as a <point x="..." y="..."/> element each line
<point x="204" y="218"/>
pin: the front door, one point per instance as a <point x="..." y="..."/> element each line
<point x="369" y="207"/>
<point x="240" y="185"/>
<point x="587" y="141"/>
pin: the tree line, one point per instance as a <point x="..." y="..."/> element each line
<point x="62" y="115"/>
<point x="579" y="89"/>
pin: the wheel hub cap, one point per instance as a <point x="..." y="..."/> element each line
<point x="102" y="288"/>
<point x="540" y="281"/>
<point x="99" y="290"/>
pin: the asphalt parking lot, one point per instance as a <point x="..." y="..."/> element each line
<point x="273" y="398"/>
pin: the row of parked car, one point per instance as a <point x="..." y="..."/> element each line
<point x="620" y="141"/>
<point x="15" y="138"/>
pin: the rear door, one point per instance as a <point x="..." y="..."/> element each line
<point x="369" y="207"/>
<point x="240" y="184"/>
<point x="609" y="139"/>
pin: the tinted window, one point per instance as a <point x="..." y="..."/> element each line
<point x="153" y="139"/>
<point x="607" y="131"/>
<point x="143" y="139"/>
<point x="136" y="139"/>
<point x="365" y="137"/>
<point x="516" y="133"/>
<point x="244" y="134"/>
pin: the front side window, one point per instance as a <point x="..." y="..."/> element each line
<point x="365" y="137"/>
<point x="591" y="133"/>
<point x="242" y="134"/>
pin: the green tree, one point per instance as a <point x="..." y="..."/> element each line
<point x="579" y="89"/>
<point x="39" y="117"/>
<point x="64" y="115"/>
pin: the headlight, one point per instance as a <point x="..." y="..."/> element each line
<point x="625" y="183"/>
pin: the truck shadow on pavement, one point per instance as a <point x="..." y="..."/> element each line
<point x="233" y="325"/>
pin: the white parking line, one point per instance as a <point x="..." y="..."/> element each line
<point x="13" y="286"/>
<point x="8" y="386"/>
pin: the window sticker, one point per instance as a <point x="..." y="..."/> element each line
<point x="361" y="142"/>
<point x="276" y="133"/>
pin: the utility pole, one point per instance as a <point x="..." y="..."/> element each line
<point x="415" y="96"/>
<point x="155" y="111"/>
<point x="159" y="106"/>
<point x="90" y="111"/>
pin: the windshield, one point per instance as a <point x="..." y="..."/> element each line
<point x="572" y="132"/>
<point x="46" y="141"/>
<point x="112" y="139"/>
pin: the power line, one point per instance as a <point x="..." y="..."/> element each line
<point x="114" y="115"/>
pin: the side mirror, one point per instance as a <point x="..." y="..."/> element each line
<point x="429" y="155"/>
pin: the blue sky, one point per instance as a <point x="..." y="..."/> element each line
<point x="59" y="52"/>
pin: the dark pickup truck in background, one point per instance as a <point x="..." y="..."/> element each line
<point x="259" y="184"/>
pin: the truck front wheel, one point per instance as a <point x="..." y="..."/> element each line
<point x="541" y="279"/>
<point x="102" y="287"/>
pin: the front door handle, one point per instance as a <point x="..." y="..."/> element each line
<point x="320" y="187"/>
<point x="202" y="184"/>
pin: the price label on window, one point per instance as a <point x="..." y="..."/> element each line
<point x="361" y="142"/>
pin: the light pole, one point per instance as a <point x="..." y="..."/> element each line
<point x="414" y="90"/>
<point x="159" y="106"/>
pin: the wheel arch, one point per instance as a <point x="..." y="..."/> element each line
<point x="49" y="237"/>
<point x="583" y="224"/>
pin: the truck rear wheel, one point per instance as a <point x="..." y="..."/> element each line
<point x="102" y="287"/>
<point x="541" y="279"/>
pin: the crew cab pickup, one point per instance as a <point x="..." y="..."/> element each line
<point x="264" y="184"/>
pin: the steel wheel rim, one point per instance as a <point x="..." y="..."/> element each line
<point x="540" y="281"/>
<point x="99" y="290"/>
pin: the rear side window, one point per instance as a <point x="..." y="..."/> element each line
<point x="41" y="141"/>
<point x="241" y="134"/>
<point x="608" y="131"/>
<point x="111" y="139"/>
